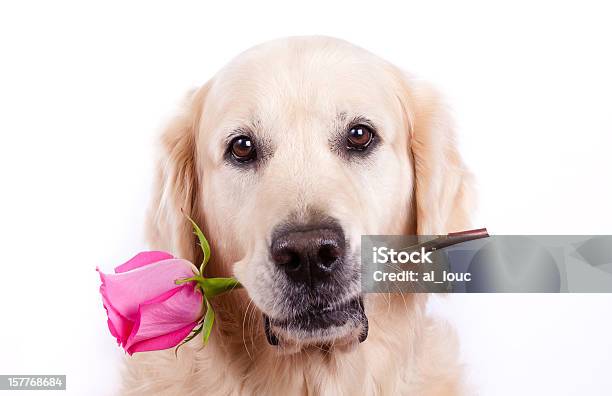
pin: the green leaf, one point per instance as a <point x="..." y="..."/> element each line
<point x="203" y="244"/>
<point x="193" y="334"/>
<point x="207" y="324"/>
<point x="215" y="286"/>
<point x="196" y="278"/>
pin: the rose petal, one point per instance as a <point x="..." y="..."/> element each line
<point x="162" y="342"/>
<point x="165" y="315"/>
<point x="142" y="259"/>
<point x="119" y="326"/>
<point x="126" y="291"/>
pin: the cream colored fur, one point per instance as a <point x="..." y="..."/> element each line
<point x="417" y="184"/>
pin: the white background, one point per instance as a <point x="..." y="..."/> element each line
<point x="85" y="89"/>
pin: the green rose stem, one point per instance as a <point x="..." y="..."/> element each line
<point x="210" y="287"/>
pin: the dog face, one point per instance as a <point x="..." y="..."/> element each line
<point x="291" y="153"/>
<point x="304" y="158"/>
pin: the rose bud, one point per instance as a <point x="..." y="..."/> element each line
<point x="146" y="309"/>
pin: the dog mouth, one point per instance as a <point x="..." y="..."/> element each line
<point x="320" y="324"/>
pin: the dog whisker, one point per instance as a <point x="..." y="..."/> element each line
<point x="243" y="332"/>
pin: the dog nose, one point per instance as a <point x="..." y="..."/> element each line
<point x="308" y="256"/>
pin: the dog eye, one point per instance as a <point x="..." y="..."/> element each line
<point x="243" y="149"/>
<point x="359" y="137"/>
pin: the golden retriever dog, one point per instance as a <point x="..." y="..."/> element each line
<point x="286" y="157"/>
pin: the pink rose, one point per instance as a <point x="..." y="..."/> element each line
<point x="146" y="309"/>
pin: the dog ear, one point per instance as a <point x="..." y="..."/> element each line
<point x="177" y="185"/>
<point x="443" y="191"/>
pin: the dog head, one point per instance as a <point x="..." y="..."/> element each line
<point x="286" y="157"/>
